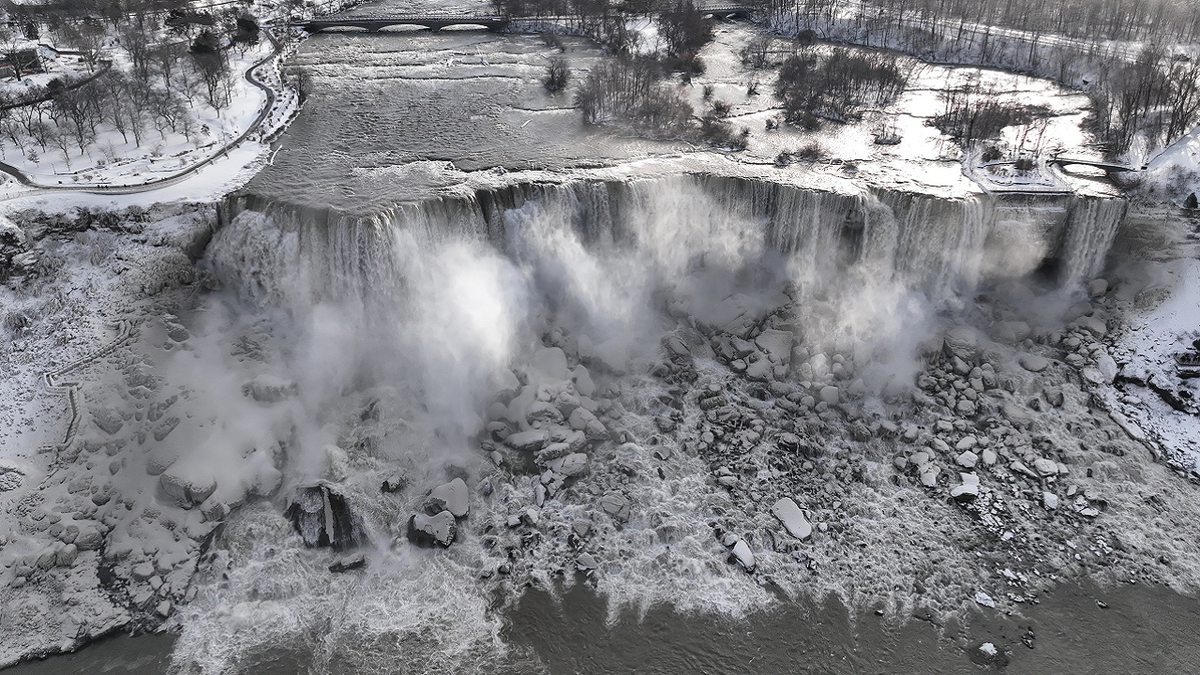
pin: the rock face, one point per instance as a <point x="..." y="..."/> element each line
<point x="438" y="529"/>
<point x="322" y="517"/>
<point x="789" y="513"/>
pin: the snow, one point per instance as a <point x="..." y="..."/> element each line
<point x="1151" y="342"/>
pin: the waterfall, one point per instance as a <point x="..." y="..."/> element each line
<point x="1090" y="230"/>
<point x="283" y="255"/>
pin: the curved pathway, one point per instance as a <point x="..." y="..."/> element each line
<point x="272" y="97"/>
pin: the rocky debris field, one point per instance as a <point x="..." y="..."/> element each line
<point x="998" y="472"/>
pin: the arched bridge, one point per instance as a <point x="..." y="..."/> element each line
<point x="726" y="12"/>
<point x="1099" y="164"/>
<point x="374" y="24"/>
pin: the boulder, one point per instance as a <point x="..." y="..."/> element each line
<point x="1045" y="467"/>
<point x="961" y="342"/>
<point x="1033" y="363"/>
<point x="583" y="381"/>
<point x="967" y="459"/>
<point x="965" y="493"/>
<point x="1010" y="332"/>
<point x="452" y="497"/>
<point x="142" y="571"/>
<point x="569" y="465"/>
<point x="322" y="517"/>
<point x="929" y="475"/>
<point x="352" y="562"/>
<point x="616" y="505"/>
<point x="438" y="529"/>
<point x="1093" y="324"/>
<point x="528" y="441"/>
<point x="744" y="556"/>
<point x="1049" y="500"/>
<point x="830" y="395"/>
<point x="776" y="344"/>
<point x="188" y="485"/>
<point x="551" y="362"/>
<point x="789" y="513"/>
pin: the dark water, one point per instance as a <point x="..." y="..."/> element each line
<point x="118" y="655"/>
<point x="1142" y="630"/>
<point x="1079" y="630"/>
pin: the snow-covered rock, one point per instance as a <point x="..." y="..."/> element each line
<point x="453" y="497"/>
<point x="789" y="513"/>
<point x="1033" y="363"/>
<point x="439" y="529"/>
<point x="744" y="556"/>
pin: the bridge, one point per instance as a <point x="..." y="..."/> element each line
<point x="373" y="24"/>
<point x="1111" y="167"/>
<point x="436" y="22"/>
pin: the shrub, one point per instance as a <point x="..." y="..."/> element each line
<point x="558" y="74"/>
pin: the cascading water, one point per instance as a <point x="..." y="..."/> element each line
<point x="414" y="333"/>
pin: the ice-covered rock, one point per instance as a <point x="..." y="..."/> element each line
<point x="347" y="563"/>
<point x="789" y="513"/>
